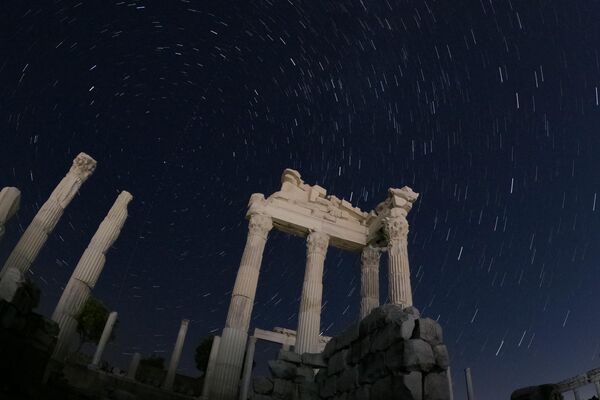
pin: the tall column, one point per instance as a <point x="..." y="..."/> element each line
<point x="396" y="228"/>
<point x="174" y="362"/>
<point x="576" y="394"/>
<point x="108" y="328"/>
<point x="470" y="394"/>
<point x="86" y="275"/>
<point x="597" y="385"/>
<point x="450" y="386"/>
<point x="228" y="367"/>
<point x="369" y="280"/>
<point x="133" y="366"/>
<point x="210" y="368"/>
<point x="249" y="360"/>
<point x="309" y="317"/>
<point x="10" y="198"/>
<point x="36" y="234"/>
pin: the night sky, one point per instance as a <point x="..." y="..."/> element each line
<point x="488" y="108"/>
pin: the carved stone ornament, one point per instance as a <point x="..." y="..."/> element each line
<point x="370" y="256"/>
<point x="83" y="166"/>
<point x="260" y="224"/>
<point x="317" y="242"/>
<point x="396" y="228"/>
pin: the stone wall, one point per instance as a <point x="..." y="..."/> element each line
<point x="391" y="354"/>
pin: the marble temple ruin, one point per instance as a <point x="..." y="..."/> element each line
<point x="10" y="198"/>
<point x="324" y="220"/>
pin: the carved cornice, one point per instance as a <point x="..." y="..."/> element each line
<point x="260" y="225"/>
<point x="370" y="256"/>
<point x="395" y="228"/>
<point x="83" y="166"/>
<point x="317" y="242"/>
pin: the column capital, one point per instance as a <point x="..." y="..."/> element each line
<point x="260" y="224"/>
<point x="395" y="228"/>
<point x="83" y="166"/>
<point x="317" y="242"/>
<point x="370" y="255"/>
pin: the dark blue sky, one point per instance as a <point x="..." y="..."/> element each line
<point x="488" y="108"/>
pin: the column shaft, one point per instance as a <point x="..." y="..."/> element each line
<point x="133" y="366"/>
<point x="470" y="393"/>
<point x="228" y="366"/>
<point x="210" y="368"/>
<point x="36" y="234"/>
<point x="399" y="288"/>
<point x="86" y="274"/>
<point x="10" y="198"/>
<point x="248" y="368"/>
<point x="597" y="385"/>
<point x="369" y="280"/>
<point x="577" y="394"/>
<point x="108" y="328"/>
<point x="309" y="317"/>
<point x="174" y="362"/>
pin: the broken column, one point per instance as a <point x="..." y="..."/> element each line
<point x="36" y="234"/>
<point x="210" y="368"/>
<point x="174" y="362"/>
<point x="309" y="317"/>
<point x="86" y="275"/>
<point x="228" y="366"/>
<point x="106" y="333"/>
<point x="369" y="280"/>
<point x="396" y="229"/>
<point x="133" y="366"/>
<point x="10" y="198"/>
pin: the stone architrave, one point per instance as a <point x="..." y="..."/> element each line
<point x="210" y="368"/>
<point x="174" y="362"/>
<point x="230" y="357"/>
<point x="133" y="366"/>
<point x="86" y="274"/>
<point x="108" y="328"/>
<point x="36" y="234"/>
<point x="399" y="288"/>
<point x="10" y="198"/>
<point x="369" y="280"/>
<point x="309" y="316"/>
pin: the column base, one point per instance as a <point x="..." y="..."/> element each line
<point x="228" y="366"/>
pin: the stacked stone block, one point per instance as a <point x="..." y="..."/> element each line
<point x="391" y="354"/>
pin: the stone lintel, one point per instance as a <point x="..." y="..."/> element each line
<point x="573" y="383"/>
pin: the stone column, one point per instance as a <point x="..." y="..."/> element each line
<point x="597" y="385"/>
<point x="396" y="228"/>
<point x="86" y="275"/>
<point x="450" y="386"/>
<point x="133" y="366"/>
<point x="249" y="360"/>
<point x="309" y="317"/>
<point x="470" y="394"/>
<point x="36" y="234"/>
<point x="10" y="198"/>
<point x="369" y="280"/>
<point x="576" y="394"/>
<point x="174" y="362"/>
<point x="108" y="328"/>
<point x="210" y="368"/>
<point x="228" y="367"/>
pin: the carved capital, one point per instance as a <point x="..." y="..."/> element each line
<point x="260" y="225"/>
<point x="396" y="228"/>
<point x="370" y="256"/>
<point x="83" y="166"/>
<point x="317" y="242"/>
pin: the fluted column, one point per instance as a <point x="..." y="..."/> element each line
<point x="210" y="368"/>
<point x="174" y="362"/>
<point x="108" y="328"/>
<point x="249" y="360"/>
<point x="369" y="280"/>
<point x="399" y="289"/>
<point x="86" y="274"/>
<point x="133" y="366"/>
<point x="309" y="317"/>
<point x="10" y="198"/>
<point x="36" y="234"/>
<point x="228" y="367"/>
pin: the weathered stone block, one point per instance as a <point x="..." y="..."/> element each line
<point x="417" y="355"/>
<point x="315" y="360"/>
<point x="282" y="389"/>
<point x="329" y="348"/>
<point x="261" y="397"/>
<point x="282" y="369"/>
<point x="428" y="330"/>
<point x="372" y="322"/>
<point x="308" y="390"/>
<point x="399" y="330"/>
<point x="365" y="346"/>
<point x="328" y="388"/>
<point x="362" y="393"/>
<point x="304" y="374"/>
<point x="435" y="386"/>
<point x="337" y="362"/>
<point x="382" y="389"/>
<point x="262" y="385"/>
<point x="413" y="381"/>
<point x="321" y="376"/>
<point x="355" y="352"/>
<point x="348" y="380"/>
<point x="372" y="368"/>
<point x="394" y="356"/>
<point x="348" y="336"/>
<point x="341" y="396"/>
<point x="440" y="353"/>
<point x="412" y="311"/>
<point x="289" y="356"/>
